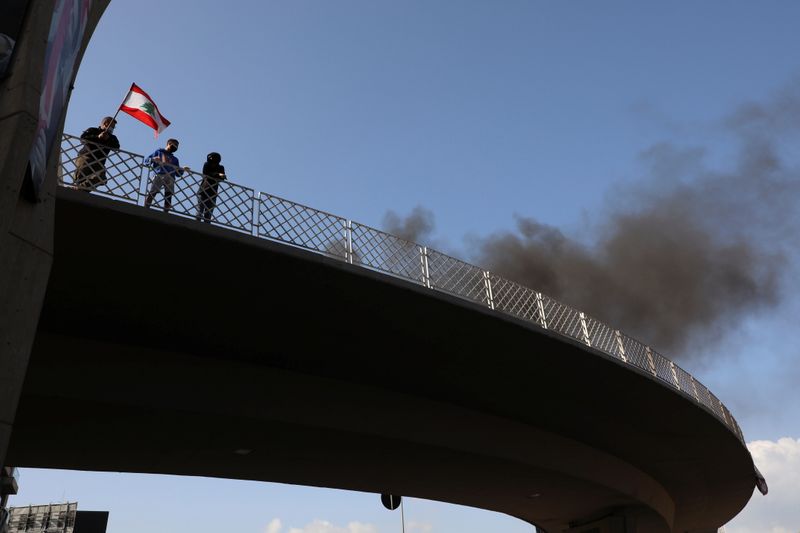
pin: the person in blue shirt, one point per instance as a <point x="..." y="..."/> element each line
<point x="165" y="168"/>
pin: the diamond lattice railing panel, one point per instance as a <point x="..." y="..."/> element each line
<point x="703" y="395"/>
<point x="602" y="336"/>
<point x="231" y="206"/>
<point x="382" y="251"/>
<point x="684" y="381"/>
<point x="451" y="275"/>
<point x="562" y="318"/>
<point x="729" y="417"/>
<point x="70" y="146"/>
<point x="184" y="191"/>
<point x="514" y="299"/>
<point x="717" y="406"/>
<point x="635" y="352"/>
<point x="663" y="368"/>
<point x="234" y="206"/>
<point x="113" y="173"/>
<point x="303" y="226"/>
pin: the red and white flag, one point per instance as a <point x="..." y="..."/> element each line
<point x="140" y="106"/>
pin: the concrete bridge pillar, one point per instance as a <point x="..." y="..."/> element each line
<point x="26" y="221"/>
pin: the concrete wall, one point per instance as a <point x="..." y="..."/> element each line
<point x="26" y="225"/>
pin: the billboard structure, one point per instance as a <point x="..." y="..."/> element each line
<point x="56" y="518"/>
<point x="51" y="518"/>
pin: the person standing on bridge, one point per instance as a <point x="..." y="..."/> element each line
<point x="166" y="168"/>
<point x="90" y="171"/>
<point x="213" y="173"/>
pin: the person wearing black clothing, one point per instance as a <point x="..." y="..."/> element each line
<point x="213" y="173"/>
<point x="91" y="161"/>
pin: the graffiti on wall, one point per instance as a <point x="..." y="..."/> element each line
<point x="67" y="29"/>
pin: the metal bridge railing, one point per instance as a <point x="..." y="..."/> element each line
<point x="124" y="176"/>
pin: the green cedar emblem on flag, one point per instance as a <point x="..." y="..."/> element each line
<point x="140" y="106"/>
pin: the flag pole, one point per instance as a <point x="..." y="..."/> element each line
<point x="114" y="118"/>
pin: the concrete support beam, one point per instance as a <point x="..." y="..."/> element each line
<point x="25" y="252"/>
<point x="26" y="226"/>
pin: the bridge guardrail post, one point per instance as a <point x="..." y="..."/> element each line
<point x="620" y="346"/>
<point x="256" y="214"/>
<point x="348" y="230"/>
<point x="674" y="376"/>
<point x="487" y="283"/>
<point x="724" y="412"/>
<point x="142" y="191"/>
<point x="423" y="259"/>
<point x="585" y="330"/>
<point x="650" y="360"/>
<point x="540" y="307"/>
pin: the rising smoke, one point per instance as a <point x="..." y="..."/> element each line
<point x="683" y="256"/>
<point x="416" y="227"/>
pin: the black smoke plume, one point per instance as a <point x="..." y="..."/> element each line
<point x="683" y="256"/>
<point x="416" y="227"/>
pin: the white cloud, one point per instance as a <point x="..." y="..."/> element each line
<point x="322" y="526"/>
<point x="778" y="511"/>
<point x="274" y="526"/>
<point x="422" y="527"/>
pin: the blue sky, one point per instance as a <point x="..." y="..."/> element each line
<point x="476" y="110"/>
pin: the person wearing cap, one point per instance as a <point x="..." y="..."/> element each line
<point x="90" y="171"/>
<point x="213" y="173"/>
<point x="165" y="168"/>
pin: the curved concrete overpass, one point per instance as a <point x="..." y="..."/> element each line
<point x="170" y="346"/>
<point x="167" y="346"/>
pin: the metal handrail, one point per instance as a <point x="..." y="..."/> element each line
<point x="122" y="175"/>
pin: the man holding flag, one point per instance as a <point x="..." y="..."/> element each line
<point x="90" y="166"/>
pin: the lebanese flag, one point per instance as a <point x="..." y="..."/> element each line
<point x="140" y="106"/>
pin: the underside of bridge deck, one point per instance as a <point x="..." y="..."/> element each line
<point x="169" y="346"/>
